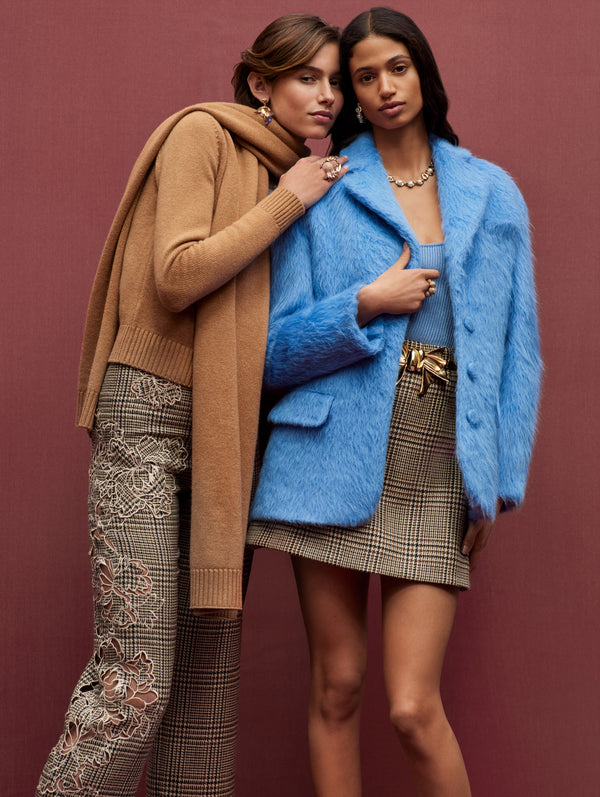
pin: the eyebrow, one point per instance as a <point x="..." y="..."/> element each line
<point x="316" y="70"/>
<point x="389" y="62"/>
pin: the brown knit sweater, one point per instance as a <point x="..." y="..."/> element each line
<point x="182" y="291"/>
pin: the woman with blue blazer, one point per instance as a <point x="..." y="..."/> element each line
<point x="408" y="398"/>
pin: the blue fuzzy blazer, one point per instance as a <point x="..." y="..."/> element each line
<point x="325" y="458"/>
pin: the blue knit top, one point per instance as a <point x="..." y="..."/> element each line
<point x="433" y="323"/>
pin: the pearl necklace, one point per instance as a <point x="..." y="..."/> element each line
<point x="429" y="172"/>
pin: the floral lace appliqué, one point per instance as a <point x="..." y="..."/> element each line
<point x="133" y="478"/>
<point x="120" y="704"/>
<point x="155" y="391"/>
<point x="122" y="594"/>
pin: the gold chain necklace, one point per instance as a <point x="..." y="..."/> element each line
<point x="429" y="172"/>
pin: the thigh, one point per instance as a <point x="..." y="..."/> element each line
<point x="417" y="622"/>
<point x="334" y="606"/>
<point x="140" y="460"/>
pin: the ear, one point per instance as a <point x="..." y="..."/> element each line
<point x="259" y="86"/>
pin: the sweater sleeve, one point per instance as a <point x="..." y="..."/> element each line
<point x="521" y="371"/>
<point x="309" y="338"/>
<point x="189" y="261"/>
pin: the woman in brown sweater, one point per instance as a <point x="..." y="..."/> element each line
<point x="170" y="380"/>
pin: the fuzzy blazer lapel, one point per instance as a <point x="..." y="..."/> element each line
<point x="463" y="192"/>
<point x="367" y="182"/>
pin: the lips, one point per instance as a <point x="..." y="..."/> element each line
<point x="391" y="106"/>
<point x="322" y="116"/>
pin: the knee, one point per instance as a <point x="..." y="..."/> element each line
<point x="413" y="718"/>
<point x="338" y="693"/>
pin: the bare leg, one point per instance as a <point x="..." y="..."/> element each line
<point x="417" y="620"/>
<point x="334" y="606"/>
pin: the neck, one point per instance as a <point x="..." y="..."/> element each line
<point x="405" y="151"/>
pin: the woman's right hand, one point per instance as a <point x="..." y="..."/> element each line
<point x="398" y="290"/>
<point x="307" y="179"/>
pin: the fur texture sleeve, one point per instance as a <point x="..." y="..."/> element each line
<point x="308" y="336"/>
<point x="522" y="366"/>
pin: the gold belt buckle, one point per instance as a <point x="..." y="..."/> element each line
<point x="431" y="365"/>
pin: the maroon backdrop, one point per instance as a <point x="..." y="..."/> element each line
<point x="82" y="87"/>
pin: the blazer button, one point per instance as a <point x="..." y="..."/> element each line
<point x="468" y="324"/>
<point x="473" y="418"/>
<point x="471" y="371"/>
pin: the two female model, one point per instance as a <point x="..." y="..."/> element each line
<point x="403" y="331"/>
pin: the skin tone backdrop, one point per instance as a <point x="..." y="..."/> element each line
<point x="82" y="88"/>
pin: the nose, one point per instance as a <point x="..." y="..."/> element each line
<point x="386" y="86"/>
<point x="326" y="94"/>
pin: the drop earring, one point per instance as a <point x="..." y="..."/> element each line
<point x="359" y="114"/>
<point x="265" y="112"/>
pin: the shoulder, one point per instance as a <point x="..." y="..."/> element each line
<point x="505" y="201"/>
<point x="504" y="188"/>
<point x="363" y="160"/>
<point x="195" y="125"/>
<point x="192" y="134"/>
<point x="362" y="151"/>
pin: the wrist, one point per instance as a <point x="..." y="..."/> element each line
<point x="368" y="306"/>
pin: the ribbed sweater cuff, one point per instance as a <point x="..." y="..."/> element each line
<point x="86" y="408"/>
<point x="216" y="588"/>
<point x="284" y="206"/>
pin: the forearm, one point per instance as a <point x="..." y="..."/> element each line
<point x="318" y="340"/>
<point x="192" y="264"/>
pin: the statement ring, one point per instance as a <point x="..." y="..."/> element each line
<point x="332" y="168"/>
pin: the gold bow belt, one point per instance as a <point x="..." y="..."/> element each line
<point x="431" y="365"/>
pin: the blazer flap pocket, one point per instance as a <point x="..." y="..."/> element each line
<point x="302" y="408"/>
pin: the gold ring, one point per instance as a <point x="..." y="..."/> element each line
<point x="332" y="167"/>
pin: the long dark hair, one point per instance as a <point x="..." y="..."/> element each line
<point x="382" y="21"/>
<point x="287" y="43"/>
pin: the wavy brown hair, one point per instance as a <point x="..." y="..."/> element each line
<point x="287" y="43"/>
<point x="381" y="21"/>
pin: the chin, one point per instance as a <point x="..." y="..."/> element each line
<point x="319" y="132"/>
<point x="312" y="131"/>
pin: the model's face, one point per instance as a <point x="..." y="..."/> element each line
<point x="308" y="100"/>
<point x="386" y="83"/>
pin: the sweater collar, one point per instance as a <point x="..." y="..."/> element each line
<point x="273" y="146"/>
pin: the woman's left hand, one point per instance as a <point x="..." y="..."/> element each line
<point x="476" y="538"/>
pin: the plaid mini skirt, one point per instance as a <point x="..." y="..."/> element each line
<point x="421" y="518"/>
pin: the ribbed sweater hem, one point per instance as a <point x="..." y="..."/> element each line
<point x="143" y="349"/>
<point x="150" y="352"/>
<point x="216" y="588"/>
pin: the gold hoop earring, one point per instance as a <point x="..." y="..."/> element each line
<point x="265" y="112"/>
<point x="359" y="114"/>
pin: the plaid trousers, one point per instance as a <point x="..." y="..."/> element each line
<point x="162" y="684"/>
